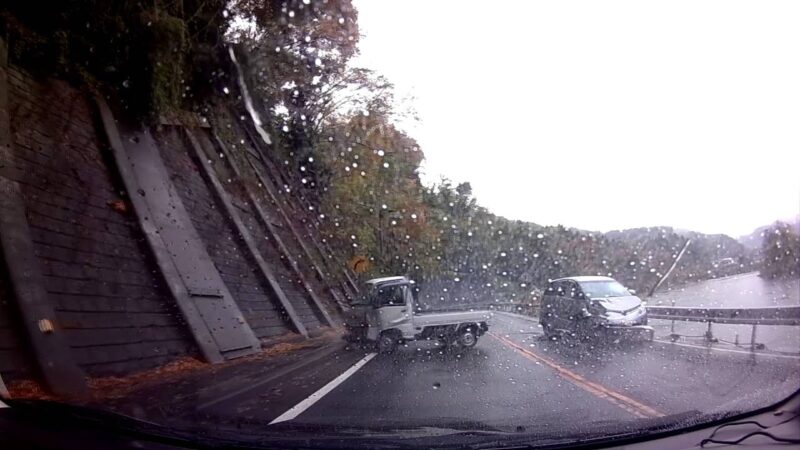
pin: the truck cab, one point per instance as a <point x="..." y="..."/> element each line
<point x="385" y="314"/>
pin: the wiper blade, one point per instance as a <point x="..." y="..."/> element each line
<point x="67" y="410"/>
<point x="441" y="426"/>
<point x="602" y="433"/>
<point x="289" y="435"/>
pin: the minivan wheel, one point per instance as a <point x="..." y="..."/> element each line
<point x="467" y="338"/>
<point x="387" y="342"/>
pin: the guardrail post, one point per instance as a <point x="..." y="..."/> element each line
<point x="708" y="335"/>
<point x="753" y="345"/>
<point x="673" y="336"/>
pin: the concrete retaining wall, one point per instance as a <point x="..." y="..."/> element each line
<point x="107" y="299"/>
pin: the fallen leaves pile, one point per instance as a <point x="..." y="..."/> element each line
<point x="117" y="387"/>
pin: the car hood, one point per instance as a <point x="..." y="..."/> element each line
<point x="619" y="304"/>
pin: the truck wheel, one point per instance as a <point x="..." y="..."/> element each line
<point x="549" y="334"/>
<point x="467" y="338"/>
<point x="387" y="342"/>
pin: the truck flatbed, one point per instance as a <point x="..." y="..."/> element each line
<point x="434" y="318"/>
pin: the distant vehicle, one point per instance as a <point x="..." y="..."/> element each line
<point x="592" y="308"/>
<point x="386" y="315"/>
<point x="724" y="262"/>
<point x="725" y="267"/>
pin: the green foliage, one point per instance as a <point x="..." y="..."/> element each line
<point x="333" y="126"/>
<point x="154" y="56"/>
<point x="371" y="197"/>
<point x="440" y="235"/>
<point x="296" y="61"/>
<point x="166" y="61"/>
<point x="780" y="252"/>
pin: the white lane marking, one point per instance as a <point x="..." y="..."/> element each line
<point x="3" y="405"/>
<point x="298" y="409"/>
<point x="727" y="350"/>
<point x="310" y="359"/>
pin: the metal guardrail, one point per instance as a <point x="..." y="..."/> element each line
<point x="773" y="315"/>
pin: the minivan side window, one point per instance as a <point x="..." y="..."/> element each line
<point x="574" y="290"/>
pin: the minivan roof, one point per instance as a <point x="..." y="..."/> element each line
<point x="586" y="278"/>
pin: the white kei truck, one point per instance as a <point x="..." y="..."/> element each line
<point x="386" y="314"/>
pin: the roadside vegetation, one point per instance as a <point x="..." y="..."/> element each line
<point x="780" y="252"/>
<point x="336" y="128"/>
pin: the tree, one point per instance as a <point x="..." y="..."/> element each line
<point x="295" y="59"/>
<point x="780" y="252"/>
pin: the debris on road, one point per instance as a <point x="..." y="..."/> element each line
<point x="114" y="387"/>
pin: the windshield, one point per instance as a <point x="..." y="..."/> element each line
<point x="602" y="289"/>
<point x="291" y="223"/>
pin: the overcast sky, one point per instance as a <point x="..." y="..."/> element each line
<point x="603" y="115"/>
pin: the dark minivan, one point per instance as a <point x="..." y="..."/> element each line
<point x="590" y="307"/>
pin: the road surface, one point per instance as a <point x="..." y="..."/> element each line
<point x="745" y="290"/>
<point x="512" y="380"/>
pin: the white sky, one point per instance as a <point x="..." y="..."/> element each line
<point x="603" y="115"/>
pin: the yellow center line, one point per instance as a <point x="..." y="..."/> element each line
<point x="634" y="407"/>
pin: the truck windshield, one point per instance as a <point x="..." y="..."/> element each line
<point x="603" y="289"/>
<point x="389" y="296"/>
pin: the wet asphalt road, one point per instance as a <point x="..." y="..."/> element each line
<point x="513" y="379"/>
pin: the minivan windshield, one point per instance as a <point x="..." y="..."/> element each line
<point x="603" y="289"/>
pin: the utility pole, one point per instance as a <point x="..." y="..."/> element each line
<point x="671" y="268"/>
